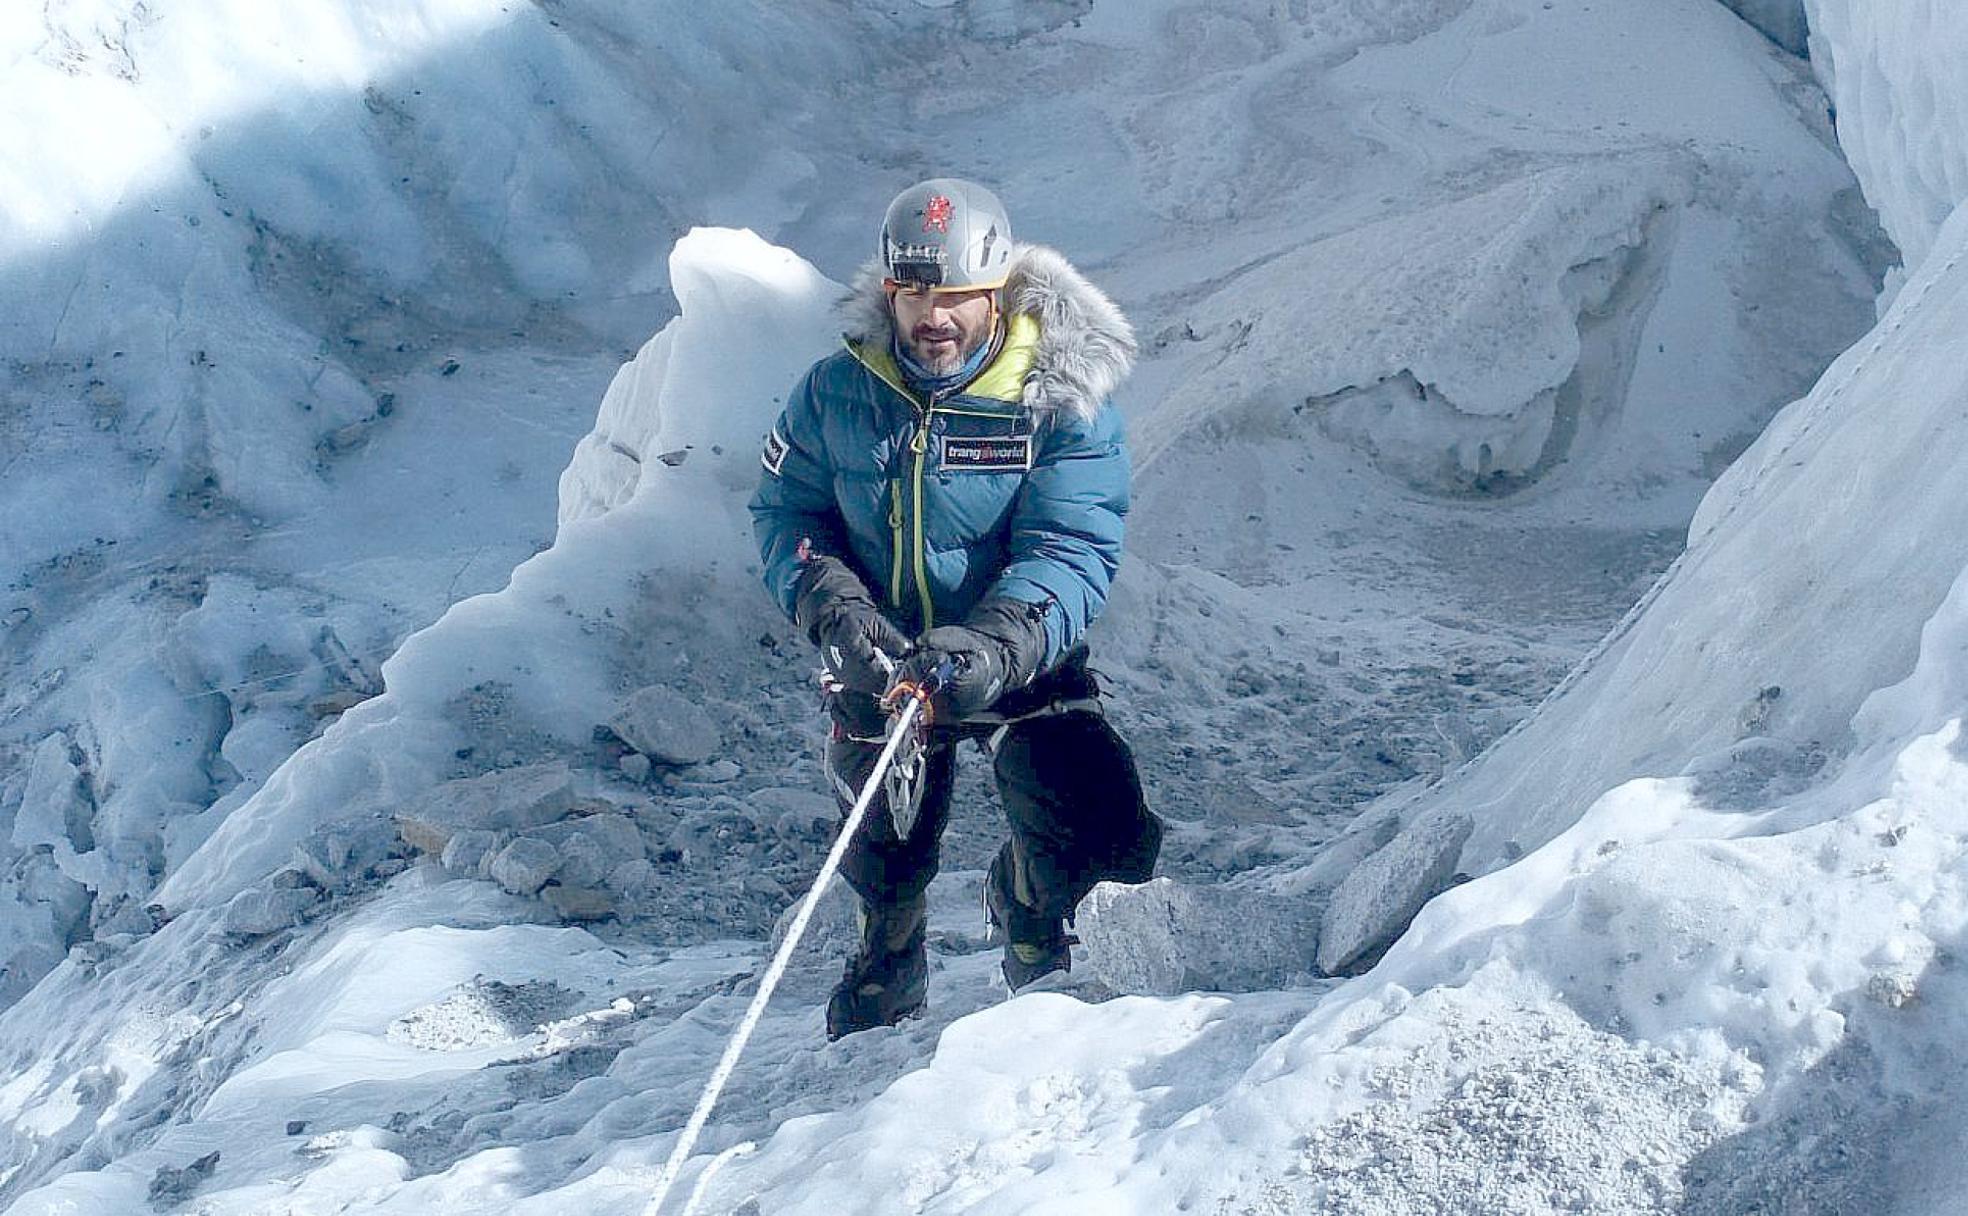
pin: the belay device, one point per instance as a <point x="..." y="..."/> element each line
<point x="903" y="780"/>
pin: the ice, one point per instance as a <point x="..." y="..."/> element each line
<point x="1896" y="78"/>
<point x="677" y="397"/>
<point x="53" y="810"/>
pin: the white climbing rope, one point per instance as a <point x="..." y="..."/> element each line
<point x="681" y="1153"/>
<point x="718" y="1162"/>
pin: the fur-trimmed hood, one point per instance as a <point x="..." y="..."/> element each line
<point x="1085" y="348"/>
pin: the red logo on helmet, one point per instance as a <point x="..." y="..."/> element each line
<point x="936" y="214"/>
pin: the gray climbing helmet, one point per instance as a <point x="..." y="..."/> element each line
<point x="946" y="234"/>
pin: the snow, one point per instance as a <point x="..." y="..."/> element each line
<point x="1443" y="356"/>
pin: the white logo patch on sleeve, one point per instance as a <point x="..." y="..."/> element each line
<point x="774" y="455"/>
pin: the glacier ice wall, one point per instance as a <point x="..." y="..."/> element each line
<point x="1898" y="79"/>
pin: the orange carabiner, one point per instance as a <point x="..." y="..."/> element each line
<point x="906" y="690"/>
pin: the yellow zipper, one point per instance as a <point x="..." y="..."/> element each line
<point x="920" y="447"/>
<point x="895" y="546"/>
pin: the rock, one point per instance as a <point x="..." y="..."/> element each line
<point x="336" y="703"/>
<point x="591" y="846"/>
<point x="348" y="670"/>
<point x="345" y="439"/>
<point x="170" y="1185"/>
<point x="1161" y="937"/>
<point x="334" y="858"/>
<point x="717" y="772"/>
<point x="579" y="903"/>
<point x="666" y="726"/>
<point x="323" y="858"/>
<point x="583" y="863"/>
<point x="1375" y="903"/>
<point x="467" y="853"/>
<point x="1893" y="989"/>
<point x="90" y="953"/>
<point x="1359" y="840"/>
<point x="634" y="879"/>
<point x="507" y="800"/>
<point x="290" y="878"/>
<point x="96" y="1087"/>
<point x="615" y="834"/>
<point x="482" y="1013"/>
<point x="635" y="766"/>
<point x="128" y="917"/>
<point x="763" y="888"/>
<point x="720" y="830"/>
<point x="262" y="910"/>
<point x="798" y="813"/>
<point x="830" y="937"/>
<point x="525" y="865"/>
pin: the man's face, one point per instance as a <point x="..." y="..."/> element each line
<point x="940" y="329"/>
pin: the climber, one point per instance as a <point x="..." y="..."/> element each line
<point x="949" y="490"/>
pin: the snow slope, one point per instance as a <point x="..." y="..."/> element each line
<point x="1554" y="304"/>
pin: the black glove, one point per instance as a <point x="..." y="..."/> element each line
<point x="832" y="606"/>
<point x="998" y="648"/>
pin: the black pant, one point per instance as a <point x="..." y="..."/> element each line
<point x="1067" y="780"/>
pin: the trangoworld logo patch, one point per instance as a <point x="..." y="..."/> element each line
<point x="936" y="214"/>
<point x="967" y="455"/>
<point x="774" y="455"/>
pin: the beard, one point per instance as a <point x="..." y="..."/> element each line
<point x="941" y="351"/>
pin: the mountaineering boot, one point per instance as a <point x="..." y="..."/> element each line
<point x="887" y="979"/>
<point x="1035" y="945"/>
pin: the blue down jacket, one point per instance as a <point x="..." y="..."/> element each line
<point x="1014" y="486"/>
